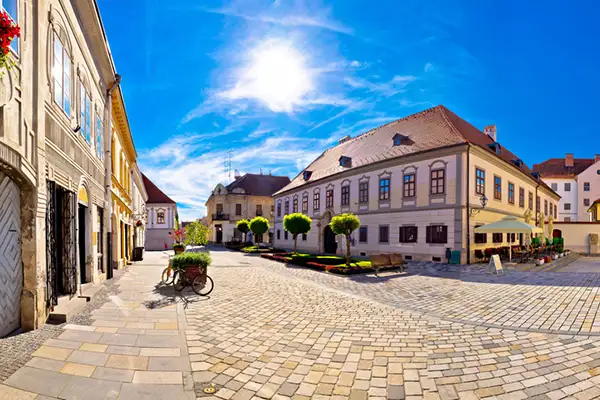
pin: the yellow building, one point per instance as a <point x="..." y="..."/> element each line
<point x="123" y="157"/>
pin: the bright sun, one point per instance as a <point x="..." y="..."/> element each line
<point x="276" y="75"/>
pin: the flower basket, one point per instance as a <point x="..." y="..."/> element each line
<point x="178" y="248"/>
<point x="139" y="223"/>
<point x="9" y="30"/>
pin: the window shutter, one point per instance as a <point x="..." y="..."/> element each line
<point x="444" y="234"/>
<point x="428" y="239"/>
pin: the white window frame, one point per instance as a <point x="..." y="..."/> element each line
<point x="99" y="137"/>
<point x="85" y="113"/>
<point x="61" y="75"/>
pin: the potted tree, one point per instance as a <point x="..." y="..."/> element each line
<point x="259" y="226"/>
<point x="345" y="224"/>
<point x="296" y="224"/>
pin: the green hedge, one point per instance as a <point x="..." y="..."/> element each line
<point x="190" y="259"/>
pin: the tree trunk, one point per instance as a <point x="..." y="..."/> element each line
<point x="295" y="243"/>
<point x="348" y="250"/>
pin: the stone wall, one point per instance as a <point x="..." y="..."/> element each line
<point x="579" y="236"/>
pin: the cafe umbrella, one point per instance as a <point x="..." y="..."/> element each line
<point x="508" y="224"/>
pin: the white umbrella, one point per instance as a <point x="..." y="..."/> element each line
<point x="508" y="224"/>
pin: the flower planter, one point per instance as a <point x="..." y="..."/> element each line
<point x="555" y="256"/>
<point x="539" y="261"/>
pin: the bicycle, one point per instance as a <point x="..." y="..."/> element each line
<point x="201" y="283"/>
<point x="168" y="274"/>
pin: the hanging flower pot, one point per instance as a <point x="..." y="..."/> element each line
<point x="9" y="30"/>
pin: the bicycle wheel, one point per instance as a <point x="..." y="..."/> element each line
<point x="203" y="285"/>
<point x="179" y="281"/>
<point x="168" y="276"/>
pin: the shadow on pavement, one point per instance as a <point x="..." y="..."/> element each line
<point x="170" y="296"/>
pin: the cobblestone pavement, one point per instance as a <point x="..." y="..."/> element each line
<point x="270" y="331"/>
<point x="128" y="344"/>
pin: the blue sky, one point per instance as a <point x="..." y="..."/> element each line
<point x="277" y="82"/>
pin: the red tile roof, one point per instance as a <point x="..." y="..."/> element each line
<point x="430" y="129"/>
<point x="259" y="184"/>
<point x="155" y="195"/>
<point x="555" y="167"/>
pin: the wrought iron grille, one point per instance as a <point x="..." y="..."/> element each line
<point x="69" y="255"/>
<point x="51" y="256"/>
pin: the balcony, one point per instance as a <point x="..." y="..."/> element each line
<point x="220" y="217"/>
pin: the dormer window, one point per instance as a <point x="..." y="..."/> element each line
<point x="306" y="175"/>
<point x="400" y="139"/>
<point x="518" y="162"/>
<point x="345" y="162"/>
<point x="495" y="147"/>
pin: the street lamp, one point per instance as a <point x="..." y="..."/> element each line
<point x="483" y="200"/>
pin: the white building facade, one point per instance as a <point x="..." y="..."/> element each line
<point x="416" y="185"/>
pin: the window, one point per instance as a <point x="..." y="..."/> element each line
<point x="363" y="192"/>
<point x="304" y="237"/>
<point x="384" y="234"/>
<point x="511" y="193"/>
<point x="480" y="238"/>
<point x="511" y="237"/>
<point x="329" y="198"/>
<point x="408" y="234"/>
<point x="316" y="201"/>
<point x="545" y="207"/>
<point x="287" y="207"/>
<point x="586" y="202"/>
<point x="555" y="211"/>
<point x="305" y="203"/>
<point x="259" y="211"/>
<point x="531" y="201"/>
<point x="85" y="113"/>
<point x="567" y="206"/>
<point x="345" y="195"/>
<point x="497" y="188"/>
<point x="384" y="189"/>
<point x="554" y="186"/>
<point x="437" y="181"/>
<point x="497" y="238"/>
<point x="345" y="162"/>
<point x="285" y="235"/>
<point x="279" y="209"/>
<point x="278" y="234"/>
<point x="586" y="186"/>
<point x="12" y="9"/>
<point x="538" y="204"/>
<point x="99" y="137"/>
<point x="295" y="205"/>
<point x="363" y="234"/>
<point x="409" y="185"/>
<point x="238" y="209"/>
<point x="521" y="197"/>
<point x="61" y="75"/>
<point x="160" y="217"/>
<point x="437" y="234"/>
<point x="479" y="181"/>
<point x="567" y="187"/>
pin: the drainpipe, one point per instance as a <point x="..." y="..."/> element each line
<point x="468" y="205"/>
<point x="108" y="177"/>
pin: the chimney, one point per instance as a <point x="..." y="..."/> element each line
<point x="596" y="158"/>
<point x="490" y="130"/>
<point x="236" y="174"/>
<point x="344" y="139"/>
<point x="569" y="163"/>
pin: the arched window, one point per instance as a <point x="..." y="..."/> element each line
<point x="61" y="72"/>
<point x="160" y="217"/>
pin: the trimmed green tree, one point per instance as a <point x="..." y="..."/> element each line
<point x="296" y="224"/>
<point x="243" y="225"/>
<point x="345" y="224"/>
<point x="196" y="234"/>
<point x="258" y="226"/>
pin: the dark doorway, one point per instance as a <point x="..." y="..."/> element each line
<point x="330" y="246"/>
<point x="556" y="233"/>
<point x="219" y="229"/>
<point x="82" y="245"/>
<point x="127" y="241"/>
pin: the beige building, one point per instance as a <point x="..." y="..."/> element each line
<point x="162" y="217"/>
<point x="417" y="185"/>
<point x="54" y="145"/>
<point x="246" y="197"/>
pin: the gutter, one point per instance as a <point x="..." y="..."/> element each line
<point x="108" y="177"/>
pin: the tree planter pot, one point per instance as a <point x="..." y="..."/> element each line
<point x="554" y="256"/>
<point x="539" y="261"/>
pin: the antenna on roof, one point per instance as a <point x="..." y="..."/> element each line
<point x="227" y="165"/>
